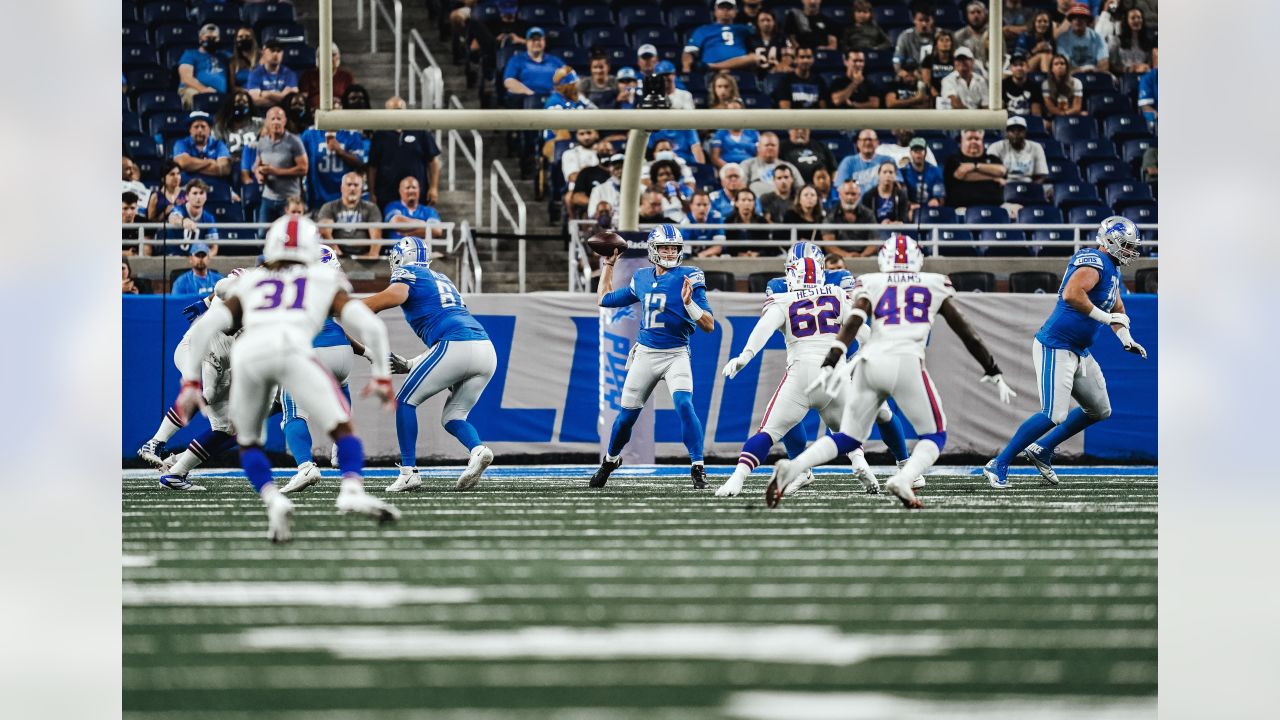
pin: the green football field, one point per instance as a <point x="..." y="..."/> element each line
<point x="535" y="597"/>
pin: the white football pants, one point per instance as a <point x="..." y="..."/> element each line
<point x="267" y="359"/>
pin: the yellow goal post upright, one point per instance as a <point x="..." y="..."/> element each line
<point x="640" y="122"/>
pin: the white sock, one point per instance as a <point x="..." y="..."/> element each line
<point x="166" y="431"/>
<point x="612" y="458"/>
<point x="697" y="462"/>
<point x="352" y="480"/>
<point x="408" y="469"/>
<point x="185" y="463"/>
<point x="923" y="456"/>
<point x="823" y="450"/>
<point x="268" y="491"/>
<point x="859" y="460"/>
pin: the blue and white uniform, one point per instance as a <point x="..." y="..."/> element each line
<point x="716" y="43"/>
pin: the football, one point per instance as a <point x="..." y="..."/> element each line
<point x="606" y="242"/>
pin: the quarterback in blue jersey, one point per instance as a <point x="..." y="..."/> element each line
<point x="459" y="358"/>
<point x="673" y="301"/>
<point x="1088" y="299"/>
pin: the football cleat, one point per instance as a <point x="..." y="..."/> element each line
<point x="602" y="475"/>
<point x="1043" y="460"/>
<point x="151" y="453"/>
<point x="801" y="482"/>
<point x="166" y="465"/>
<point x="353" y="499"/>
<point x="178" y="482"/>
<point x="481" y="458"/>
<point x="699" y="475"/>
<point x="900" y="488"/>
<point x="864" y="473"/>
<point x="731" y="487"/>
<point x="279" y="512"/>
<point x="996" y="474"/>
<point x="918" y="482"/>
<point x="308" y="474"/>
<point x="409" y="480"/>
<point x="784" y="473"/>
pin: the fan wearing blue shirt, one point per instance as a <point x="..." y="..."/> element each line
<point x="203" y="69"/>
<point x="529" y="74"/>
<point x="271" y="81"/>
<point x="722" y="45"/>
<point x="863" y="166"/>
<point x="407" y="209"/>
<point x="733" y="146"/>
<point x="199" y="155"/>
<point x="1149" y="91"/>
<point x="673" y="301"/>
<point x="199" y="280"/>
<point x="332" y="154"/>
<point x="684" y="143"/>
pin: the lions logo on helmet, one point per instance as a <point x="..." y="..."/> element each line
<point x="409" y="251"/>
<point x="805" y="266"/>
<point x="900" y="253"/>
<point x="1120" y="238"/>
<point x="292" y="238"/>
<point x="665" y="235"/>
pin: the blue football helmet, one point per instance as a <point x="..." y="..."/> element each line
<point x="1120" y="238"/>
<point x="805" y="266"/>
<point x="409" y="251"/>
<point x="665" y="235"/>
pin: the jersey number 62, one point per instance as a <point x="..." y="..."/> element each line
<point x="805" y="322"/>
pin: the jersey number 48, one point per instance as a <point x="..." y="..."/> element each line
<point x="914" y="305"/>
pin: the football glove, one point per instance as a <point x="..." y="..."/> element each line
<point x="1006" y="393"/>
<point x="734" y="366"/>
<point x="399" y="365"/>
<point x="1129" y="344"/>
<point x="195" y="310"/>
<point x="190" y="399"/>
<point x="381" y="389"/>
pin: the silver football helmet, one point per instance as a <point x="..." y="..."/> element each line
<point x="665" y="235"/>
<point x="1120" y="238"/>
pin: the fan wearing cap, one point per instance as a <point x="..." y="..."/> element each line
<point x="200" y="155"/>
<point x="908" y="89"/>
<point x="199" y="280"/>
<point x="272" y="80"/>
<point x="646" y="60"/>
<point x="964" y="88"/>
<point x="680" y="98"/>
<point x="1023" y="158"/>
<point x="1021" y="96"/>
<point x="529" y="74"/>
<point x="598" y="87"/>
<point x="203" y="69"/>
<point x="721" y="45"/>
<point x="565" y="97"/>
<point x="627" y="82"/>
<point x="1083" y="46"/>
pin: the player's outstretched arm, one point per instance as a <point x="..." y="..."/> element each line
<point x="607" y="296"/>
<point x="1119" y="323"/>
<point x="771" y="320"/>
<point x="221" y="318"/>
<point x="394" y="295"/>
<point x="695" y="303"/>
<point x="854" y="322"/>
<point x="978" y="349"/>
<point x="358" y="317"/>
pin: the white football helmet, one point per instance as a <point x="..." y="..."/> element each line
<point x="1120" y="238"/>
<point x="293" y="238"/>
<point x="805" y="266"/>
<point x="900" y="253"/>
<point x="409" y="251"/>
<point x="665" y="235"/>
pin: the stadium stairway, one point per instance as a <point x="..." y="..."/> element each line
<point x="546" y="261"/>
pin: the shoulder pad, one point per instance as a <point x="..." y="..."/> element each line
<point x="696" y="276"/>
<point x="776" y="285"/>
<point x="1088" y="258"/>
<point x="404" y="275"/>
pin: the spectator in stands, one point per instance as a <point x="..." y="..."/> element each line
<point x="685" y="143"/>
<point x="802" y="88"/>
<point x="350" y="207"/>
<point x="806" y="26"/>
<point x="899" y="150"/>
<point x="679" y="98"/>
<point x="1084" y="47"/>
<point x="862" y="166"/>
<point x="888" y="199"/>
<point x="974" y="34"/>
<point x="1110" y="21"/>
<point x="393" y="154"/>
<point x="295" y="205"/>
<point x="758" y="170"/>
<point x="653" y="209"/>
<point x="744" y="213"/>
<point x="201" y="155"/>
<point x="167" y="195"/>
<point x="848" y="209"/>
<point x="807" y="210"/>
<point x="331" y="154"/>
<point x="770" y="43"/>
<point x="732" y="180"/>
<point x="528" y="75"/>
<point x="588" y="178"/>
<point x="964" y="88"/>
<point x="922" y="179"/>
<point x="490" y="35"/>
<point x="663" y="150"/>
<point x="297" y="116"/>
<point x="565" y="94"/>
<point x="309" y="84"/>
<point x="855" y="89"/>
<point x="1151" y="168"/>
<point x="581" y="154"/>
<point x="604" y="196"/>
<point x="1023" y="159"/>
<point x="128" y="285"/>
<point x="1021" y="96"/>
<point x="625" y="98"/>
<point x="863" y="33"/>
<point x="775" y="203"/>
<point x="203" y="70"/>
<point x="749" y="12"/>
<point x="733" y="145"/>
<point x="914" y="41"/>
<point x="723" y="89"/>
<point x="199" y="280"/>
<point x="129" y="216"/>
<point x="821" y="181"/>
<point x="940" y="61"/>
<point x="1058" y="16"/>
<point x="833" y="262"/>
<point x="272" y="80"/>
<point x="1016" y="19"/>
<point x="599" y="87"/>
<point x="1037" y="43"/>
<point x="187" y="216"/>
<point x="1149" y="91"/>
<point x="245" y="56"/>
<point x="131" y="180"/>
<point x="1132" y="53"/>
<point x="908" y="89"/>
<point x="408" y="210"/>
<point x="805" y="154"/>
<point x="356" y="98"/>
<point x="700" y="213"/>
<point x="646" y="60"/>
<point x="280" y="165"/>
<point x="236" y="126"/>
<point x="664" y="176"/>
<point x="973" y="176"/>
<point x="1062" y="93"/>
<point x="722" y="45"/>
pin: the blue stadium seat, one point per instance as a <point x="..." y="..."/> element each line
<point x="575" y="57"/>
<point x="1123" y="193"/>
<point x="618" y="56"/>
<point x="1062" y="170"/>
<point x="129" y="12"/>
<point x="841" y="15"/>
<point x="167" y="124"/>
<point x="225" y="211"/>
<point x="635" y="16"/>
<point x="1068" y="195"/>
<point x="942" y="215"/>
<point x="1045" y="215"/>
<point x="226" y="15"/>
<point x="299" y="56"/>
<point x="1053" y="236"/>
<point x="986" y="215"/>
<point x="684" y="18"/>
<point x="1085" y="152"/>
<point x="149" y="78"/>
<point x="208" y="102"/>
<point x="1024" y="193"/>
<point x="607" y="36"/>
<point x="257" y="15"/>
<point x="892" y="17"/>
<point x="588" y="16"/>
<point x="1142" y="214"/>
<point x="171" y="56"/>
<point x="237" y="234"/>
<point x="694" y="82"/>
<point x="153" y="101"/>
<point x="1108" y="171"/>
<point x="1104" y="105"/>
<point x="947" y="16"/>
<point x="139" y="147"/>
<point x="1129" y="86"/>
<point x="1053" y="149"/>
<point x="150" y="168"/>
<point x="161" y="13"/>
<point x="878" y="61"/>
<point x="825" y="60"/>
<point x="754" y="100"/>
<point x="559" y="36"/>
<point x="130" y="122"/>
<point x="133" y="33"/>
<point x="840" y="147"/>
<point x="1124" y="127"/>
<point x="1133" y="150"/>
<point x="967" y="251"/>
<point x="484" y="12"/>
<point x="943" y="148"/>
<point x="1074" y="127"/>
<point x="1035" y="127"/>
<point x="653" y="35"/>
<point x="134" y="57"/>
<point x="1096" y="82"/>
<point x="998" y="236"/>
<point x="705" y="176"/>
<point x="670" y="53"/>
<point x="283" y="31"/>
<point x="1088" y="214"/>
<point x="539" y="13"/>
<point x="167" y="36"/>
<point x="1039" y="215"/>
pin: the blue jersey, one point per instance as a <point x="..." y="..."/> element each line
<point x="396" y="208"/>
<point x="435" y="309"/>
<point x="280" y="80"/>
<point x="331" y="335"/>
<point x="189" y="283"/>
<point x="842" y="279"/>
<point x="664" y="323"/>
<point x="682" y="142"/>
<point x="535" y="75"/>
<point x="863" y="172"/>
<point x="735" y="149"/>
<point x="1068" y="328"/>
<point x="717" y="43"/>
<point x="325" y="171"/>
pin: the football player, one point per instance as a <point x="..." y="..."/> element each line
<point x="282" y="306"/>
<point x="673" y="301"/>
<point x="459" y="358"/>
<point x="1088" y="299"/>
<point x="900" y="303"/>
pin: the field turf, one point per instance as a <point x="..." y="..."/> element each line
<point x="535" y="597"/>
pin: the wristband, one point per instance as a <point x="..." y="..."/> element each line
<point x="1100" y="315"/>
<point x="837" y="345"/>
<point x="695" y="312"/>
<point x="860" y="313"/>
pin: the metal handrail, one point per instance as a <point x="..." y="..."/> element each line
<point x="469" y="272"/>
<point x="474" y="158"/>
<point x="447" y="227"/>
<point x="394" y="19"/>
<point x="429" y="75"/>
<point x="518" y="222"/>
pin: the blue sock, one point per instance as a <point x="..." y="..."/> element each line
<point x="1030" y="430"/>
<point x="1076" y="422"/>
<point x="298" y="437"/>
<point x="844" y="443"/>
<point x="346" y="393"/>
<point x="350" y="455"/>
<point x="407" y="433"/>
<point x="690" y="423"/>
<point x="622" y="430"/>
<point x="756" y="449"/>
<point x="794" y="441"/>
<point x="891" y="433"/>
<point x="256" y="466"/>
<point x="464" y="431"/>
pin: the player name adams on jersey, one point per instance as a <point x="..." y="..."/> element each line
<point x="435" y="309"/>
<point x="664" y="322"/>
<point x="1070" y="329"/>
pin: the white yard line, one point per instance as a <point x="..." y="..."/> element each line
<point x="231" y="594"/>
<point x="881" y="706"/>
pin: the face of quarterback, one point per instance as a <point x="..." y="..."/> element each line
<point x="669" y="252"/>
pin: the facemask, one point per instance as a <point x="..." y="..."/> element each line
<point x="603" y="158"/>
<point x="240" y="111"/>
<point x="299" y="112"/>
<point x="244" y="44"/>
<point x="664" y="155"/>
<point x="208" y="43"/>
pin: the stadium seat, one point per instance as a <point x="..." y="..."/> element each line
<point x="756" y="100"/>
<point x="140" y="147"/>
<point x="1034" y="281"/>
<point x="284" y="31"/>
<point x="841" y="15"/>
<point x="559" y="36"/>
<point x="539" y="13"/>
<point x="133" y="33"/>
<point x="158" y="101"/>
<point x="757" y="282"/>
<point x="746" y="81"/>
<point x="167" y="36"/>
<point x="1144" y="214"/>
<point x="1129" y="85"/>
<point x="694" y="82"/>
<point x="947" y="16"/>
<point x="973" y="281"/>
<point x="130" y="122"/>
<point x="1024" y="193"/>
<point x="1088" y="214"/>
<point x="129" y="12"/>
<point x="1096" y="81"/>
<point x="575" y="57"/>
<point x="985" y="215"/>
<point x="588" y="16"/>
<point x="1107" y="171"/>
<point x="1044" y="215"/>
<point x="607" y="36"/>
<point x="167" y="124"/>
<point x="618" y="56"/>
<point x="704" y="176"/>
<point x="995" y="249"/>
<point x="1039" y="215"/>
<point x="941" y="215"/>
<point x="1086" y="152"/>
<point x="1131" y="151"/>
<point x="1074" y="127"/>
<point x="1035" y="128"/>
<point x="943" y="148"/>
<point x="825" y="60"/>
<point x="226" y="212"/>
<point x="1104" y="105"/>
<point x="1068" y="195"/>
<point x="670" y="53"/>
<point x="1053" y="149"/>
<point x="878" y="61"/>
<point x="685" y="18"/>
<point x="842" y="147"/>
<point x="1146" y="280"/>
<point x="1128" y="126"/>
<point x="721" y="280"/>
<point x="171" y="56"/>
<point x="635" y="16"/>
<point x="258" y="15"/>
<point x="1127" y="192"/>
<point x="226" y="15"/>
<point x="208" y="102"/>
<point x="149" y="78"/>
<point x="135" y="57"/>
<point x="654" y="36"/>
<point x="150" y="168"/>
<point x="299" y="56"/>
<point x="161" y="13"/>
<point x="1062" y="171"/>
<point x="892" y="17"/>
<point x="954" y="251"/>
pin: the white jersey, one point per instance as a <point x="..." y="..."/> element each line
<point x="809" y="319"/>
<point x="294" y="300"/>
<point x="903" y="308"/>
